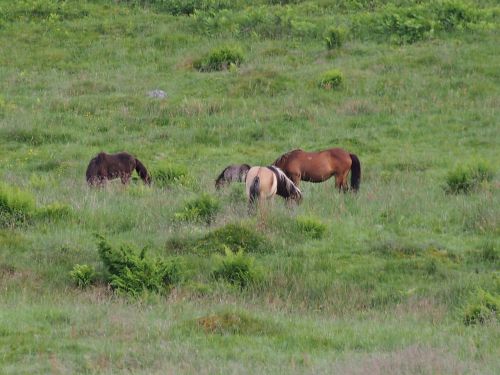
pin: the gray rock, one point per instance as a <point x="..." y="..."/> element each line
<point x="157" y="94"/>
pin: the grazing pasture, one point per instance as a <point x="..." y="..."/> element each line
<point x="175" y="277"/>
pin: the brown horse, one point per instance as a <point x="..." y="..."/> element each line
<point x="232" y="173"/>
<point x="320" y="166"/>
<point x="263" y="183"/>
<point x="110" y="166"/>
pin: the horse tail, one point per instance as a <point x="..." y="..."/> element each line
<point x="254" y="191"/>
<point x="142" y="171"/>
<point x="355" y="173"/>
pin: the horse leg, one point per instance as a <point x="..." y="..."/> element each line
<point x="338" y="182"/>
<point x="125" y="177"/>
<point x="345" y="186"/>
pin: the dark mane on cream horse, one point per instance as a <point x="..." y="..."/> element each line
<point x="232" y="173"/>
<point x="319" y="166"/>
<point x="105" y="167"/>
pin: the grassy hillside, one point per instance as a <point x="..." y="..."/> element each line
<point x="401" y="278"/>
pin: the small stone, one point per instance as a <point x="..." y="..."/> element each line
<point x="157" y="94"/>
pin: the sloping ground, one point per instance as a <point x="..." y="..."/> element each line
<point x="401" y="278"/>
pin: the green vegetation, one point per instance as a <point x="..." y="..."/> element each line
<point x="331" y="79"/>
<point x="82" y="275"/>
<point x="133" y="273"/>
<point x="468" y="177"/>
<point x="334" y="37"/>
<point x="222" y="58"/>
<point x="402" y="277"/>
<point x="236" y="268"/>
<point x="483" y="308"/>
<point x="201" y="209"/>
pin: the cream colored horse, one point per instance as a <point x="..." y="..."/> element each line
<point x="263" y="183"/>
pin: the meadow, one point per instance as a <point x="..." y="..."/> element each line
<point x="401" y="278"/>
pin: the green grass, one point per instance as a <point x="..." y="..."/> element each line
<point x="382" y="281"/>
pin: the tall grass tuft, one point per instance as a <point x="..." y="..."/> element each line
<point x="331" y="79"/>
<point x="468" y="177"/>
<point x="221" y="58"/>
<point x="484" y="307"/>
<point x="236" y="268"/>
<point x="233" y="236"/>
<point x="16" y="205"/>
<point x="201" y="209"/>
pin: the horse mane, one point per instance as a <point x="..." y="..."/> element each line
<point x="142" y="171"/>
<point x="285" y="156"/>
<point x="285" y="187"/>
<point x="221" y="176"/>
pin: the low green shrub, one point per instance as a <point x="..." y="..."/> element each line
<point x="82" y="275"/>
<point x="170" y="174"/>
<point x="451" y="15"/>
<point x="236" y="268"/>
<point x="234" y="237"/>
<point x="134" y="273"/>
<point x="272" y="22"/>
<point x="187" y="7"/>
<point x="201" y="209"/>
<point x="331" y="79"/>
<point x="32" y="10"/>
<point x="483" y="307"/>
<point x="16" y="205"/>
<point x="413" y="23"/>
<point x="468" y="177"/>
<point x="221" y="58"/>
<point x="310" y="227"/>
<point x="334" y="37"/>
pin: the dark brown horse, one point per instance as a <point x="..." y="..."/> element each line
<point x="110" y="166"/>
<point x="232" y="173"/>
<point x="320" y="166"/>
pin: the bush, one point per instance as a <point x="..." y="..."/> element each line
<point x="188" y="7"/>
<point x="170" y="174"/>
<point x="201" y="209"/>
<point x="466" y="178"/>
<point x="410" y="24"/>
<point x="331" y="79"/>
<point x="484" y="307"/>
<point x="16" y="205"/>
<point x="220" y="59"/>
<point x="236" y="268"/>
<point x="334" y="38"/>
<point x="452" y="15"/>
<point x="134" y="273"/>
<point x="262" y="21"/>
<point x="310" y="227"/>
<point x="82" y="275"/>
<point x="234" y="237"/>
<point x="54" y="10"/>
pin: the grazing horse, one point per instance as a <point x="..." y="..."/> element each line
<point x="320" y="166"/>
<point x="232" y="173"/>
<point x="109" y="166"/>
<point x="263" y="183"/>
